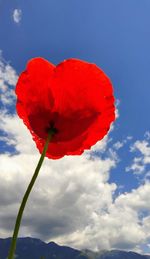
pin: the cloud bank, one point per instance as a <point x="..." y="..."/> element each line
<point x="72" y="202"/>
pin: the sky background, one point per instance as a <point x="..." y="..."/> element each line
<point x="99" y="200"/>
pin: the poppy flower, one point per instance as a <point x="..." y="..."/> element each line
<point x="74" y="99"/>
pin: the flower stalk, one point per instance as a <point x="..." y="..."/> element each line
<point x="25" y="198"/>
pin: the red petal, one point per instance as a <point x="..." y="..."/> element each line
<point x="35" y="99"/>
<point x="75" y="95"/>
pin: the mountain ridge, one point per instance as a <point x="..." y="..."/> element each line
<point x="34" y="248"/>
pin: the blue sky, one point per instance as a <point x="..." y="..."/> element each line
<point x="116" y="36"/>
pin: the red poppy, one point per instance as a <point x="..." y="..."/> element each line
<point x="75" y="98"/>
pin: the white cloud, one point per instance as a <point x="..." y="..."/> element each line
<point x="120" y="144"/>
<point x="8" y="79"/>
<point x="16" y="134"/>
<point x="17" y="15"/>
<point x="117" y="109"/>
<point x="121" y="226"/>
<point x="143" y="147"/>
<point x="100" y="146"/>
<point x="137" y="166"/>
<point x="140" y="162"/>
<point x="147" y="135"/>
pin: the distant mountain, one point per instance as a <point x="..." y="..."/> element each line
<point x="114" y="254"/>
<point x="32" y="248"/>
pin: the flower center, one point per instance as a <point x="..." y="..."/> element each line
<point x="52" y="128"/>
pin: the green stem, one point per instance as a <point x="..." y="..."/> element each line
<point x="25" y="198"/>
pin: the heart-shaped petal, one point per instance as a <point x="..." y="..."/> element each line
<point x="74" y="97"/>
